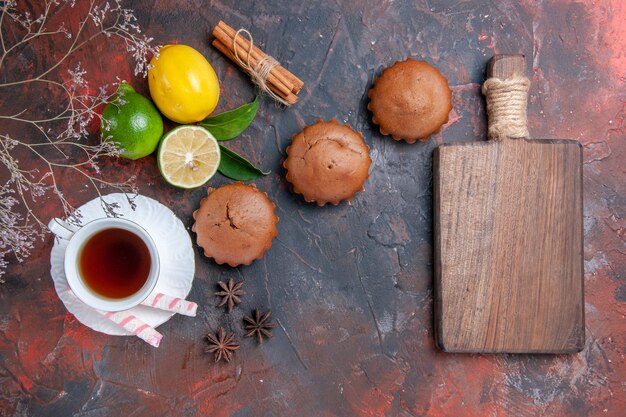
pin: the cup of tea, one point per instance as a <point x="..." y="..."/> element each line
<point x="111" y="264"/>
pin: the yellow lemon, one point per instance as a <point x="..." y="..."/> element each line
<point x="183" y="84"/>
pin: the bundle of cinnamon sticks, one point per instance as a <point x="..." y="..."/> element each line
<point x="239" y="49"/>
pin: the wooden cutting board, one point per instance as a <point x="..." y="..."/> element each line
<point x="509" y="242"/>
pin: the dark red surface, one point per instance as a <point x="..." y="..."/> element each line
<point x="350" y="286"/>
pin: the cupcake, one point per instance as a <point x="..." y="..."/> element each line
<point x="410" y="100"/>
<point x="235" y="224"/>
<point x="327" y="162"/>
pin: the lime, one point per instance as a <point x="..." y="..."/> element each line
<point x="133" y="122"/>
<point x="188" y="156"/>
<point x="183" y="84"/>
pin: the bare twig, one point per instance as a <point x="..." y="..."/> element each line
<point x="59" y="146"/>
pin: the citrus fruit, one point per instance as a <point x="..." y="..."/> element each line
<point x="183" y="84"/>
<point x="188" y="156"/>
<point x="133" y="122"/>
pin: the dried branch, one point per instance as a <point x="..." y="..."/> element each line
<point x="59" y="145"/>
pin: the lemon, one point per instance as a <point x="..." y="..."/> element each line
<point x="183" y="84"/>
<point x="188" y="156"/>
<point x="133" y="122"/>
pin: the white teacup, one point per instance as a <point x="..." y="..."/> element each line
<point x="78" y="236"/>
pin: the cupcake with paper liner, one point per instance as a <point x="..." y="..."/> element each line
<point x="235" y="224"/>
<point x="327" y="162"/>
<point x="410" y="101"/>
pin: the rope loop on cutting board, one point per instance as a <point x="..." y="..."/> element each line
<point x="506" y="107"/>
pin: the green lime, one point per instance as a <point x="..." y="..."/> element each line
<point x="188" y="156"/>
<point x="133" y="122"/>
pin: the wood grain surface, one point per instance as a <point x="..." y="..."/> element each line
<point x="509" y="243"/>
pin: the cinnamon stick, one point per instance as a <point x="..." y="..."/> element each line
<point x="289" y="96"/>
<point x="282" y="85"/>
<point x="259" y="54"/>
<point x="278" y="80"/>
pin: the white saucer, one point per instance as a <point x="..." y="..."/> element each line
<point x="176" y="256"/>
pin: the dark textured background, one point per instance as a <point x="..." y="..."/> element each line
<point x="350" y="286"/>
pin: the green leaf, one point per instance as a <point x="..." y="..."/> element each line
<point x="237" y="167"/>
<point x="230" y="124"/>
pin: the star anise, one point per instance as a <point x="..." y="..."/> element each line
<point x="221" y="345"/>
<point x="230" y="293"/>
<point x="259" y="325"/>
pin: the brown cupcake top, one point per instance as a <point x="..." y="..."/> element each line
<point x="235" y="224"/>
<point x="327" y="162"/>
<point x="410" y="100"/>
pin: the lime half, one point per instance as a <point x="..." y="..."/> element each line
<point x="188" y="156"/>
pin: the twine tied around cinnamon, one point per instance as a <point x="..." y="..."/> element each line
<point x="260" y="71"/>
<point x="506" y="107"/>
